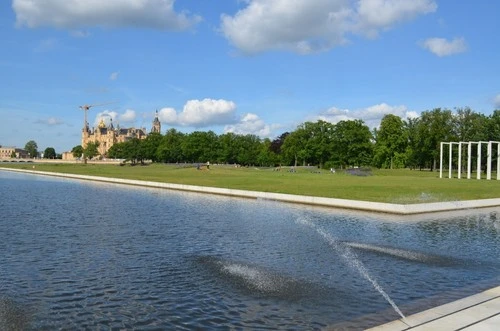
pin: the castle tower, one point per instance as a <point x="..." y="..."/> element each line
<point x="156" y="124"/>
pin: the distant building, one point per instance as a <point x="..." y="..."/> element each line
<point x="108" y="135"/>
<point x="9" y="152"/>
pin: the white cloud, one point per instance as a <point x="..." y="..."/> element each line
<point x="496" y="101"/>
<point x="371" y="116"/>
<point x="51" y="121"/>
<point x="251" y="124"/>
<point x="442" y="47"/>
<point x="200" y="113"/>
<point x="156" y="14"/>
<point x="306" y="26"/>
<point x="114" y="75"/>
<point x="382" y="14"/>
<point x="108" y="116"/>
<point x="302" y="26"/>
<point x="128" y="116"/>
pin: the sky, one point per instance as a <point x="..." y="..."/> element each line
<point x="258" y="67"/>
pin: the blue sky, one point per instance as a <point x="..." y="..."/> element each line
<point x="244" y="66"/>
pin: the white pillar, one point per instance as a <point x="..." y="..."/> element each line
<point x="488" y="165"/>
<point x="450" y="162"/>
<point x="498" y="161"/>
<point x="459" y="160"/>
<point x="441" y="160"/>
<point x="469" y="154"/>
<point x="478" y="176"/>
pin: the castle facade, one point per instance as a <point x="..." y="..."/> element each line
<point x="107" y="135"/>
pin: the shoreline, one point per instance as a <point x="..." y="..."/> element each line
<point x="365" y="206"/>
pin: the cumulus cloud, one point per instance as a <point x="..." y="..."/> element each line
<point x="116" y="118"/>
<point x="156" y="14"/>
<point x="442" y="47"/>
<point x="496" y="101"/>
<point x="374" y="15"/>
<point x="200" y="113"/>
<point x="371" y="116"/>
<point x="305" y="26"/>
<point x="251" y="124"/>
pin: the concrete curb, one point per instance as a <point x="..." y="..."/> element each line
<point x="388" y="208"/>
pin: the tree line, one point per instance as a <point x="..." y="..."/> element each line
<point x="397" y="143"/>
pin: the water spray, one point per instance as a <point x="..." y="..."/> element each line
<point x="352" y="258"/>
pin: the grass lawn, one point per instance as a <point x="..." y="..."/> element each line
<point x="393" y="186"/>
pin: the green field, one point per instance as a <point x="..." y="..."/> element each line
<point x="392" y="186"/>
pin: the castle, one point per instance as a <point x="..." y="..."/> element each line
<point x="108" y="135"/>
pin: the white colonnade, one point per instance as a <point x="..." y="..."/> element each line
<point x="470" y="145"/>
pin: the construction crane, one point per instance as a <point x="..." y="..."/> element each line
<point x="86" y="108"/>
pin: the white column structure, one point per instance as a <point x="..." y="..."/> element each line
<point x="498" y="161"/>
<point x="441" y="159"/>
<point x="460" y="157"/>
<point x="470" y="144"/>
<point x="478" y="174"/>
<point x="469" y="154"/>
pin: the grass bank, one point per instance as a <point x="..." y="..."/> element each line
<point x="391" y="186"/>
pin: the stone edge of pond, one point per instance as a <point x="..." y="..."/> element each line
<point x="367" y="206"/>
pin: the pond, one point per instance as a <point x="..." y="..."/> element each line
<point x="87" y="255"/>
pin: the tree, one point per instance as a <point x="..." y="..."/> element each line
<point x="352" y="144"/>
<point x="77" y="151"/>
<point x="32" y="148"/>
<point x="391" y="142"/>
<point x="49" y="153"/>
<point x="91" y="150"/>
<point x="150" y="146"/>
<point x="470" y="126"/>
<point x="433" y="127"/>
<point x="169" y="149"/>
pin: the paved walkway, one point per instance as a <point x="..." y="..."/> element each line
<point x="479" y="312"/>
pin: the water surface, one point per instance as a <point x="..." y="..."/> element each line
<point x="84" y="255"/>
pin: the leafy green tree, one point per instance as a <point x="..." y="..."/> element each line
<point x="352" y="144"/>
<point x="77" y="151"/>
<point x="13" y="155"/>
<point x="434" y="127"/>
<point x="248" y="147"/>
<point x="391" y="143"/>
<point x="227" y="152"/>
<point x="200" y="146"/>
<point x="494" y="126"/>
<point x="49" y="153"/>
<point x="169" y="149"/>
<point x="470" y="126"/>
<point x="150" y="146"/>
<point x="32" y="148"/>
<point x="91" y="150"/>
<point x="294" y="148"/>
<point x="117" y="151"/>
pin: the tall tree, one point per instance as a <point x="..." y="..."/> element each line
<point x="32" y="148"/>
<point x="391" y="141"/>
<point x="92" y="150"/>
<point x="352" y="144"/>
<point x="470" y="126"/>
<point x="170" y="148"/>
<point x="77" y="151"/>
<point x="434" y="127"/>
<point x="49" y="153"/>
